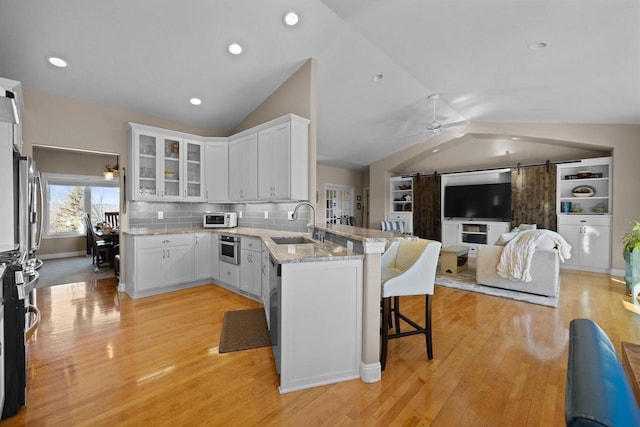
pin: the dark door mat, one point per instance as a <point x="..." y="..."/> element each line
<point x="244" y="329"/>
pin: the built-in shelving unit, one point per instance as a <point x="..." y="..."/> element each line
<point x="584" y="187"/>
<point x="401" y="199"/>
<point x="401" y="194"/>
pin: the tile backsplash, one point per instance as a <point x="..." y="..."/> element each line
<point x="144" y="215"/>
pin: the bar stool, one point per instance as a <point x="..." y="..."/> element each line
<point x="408" y="268"/>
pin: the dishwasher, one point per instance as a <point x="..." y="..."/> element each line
<point x="275" y="275"/>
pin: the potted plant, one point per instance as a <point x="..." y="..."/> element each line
<point x="631" y="254"/>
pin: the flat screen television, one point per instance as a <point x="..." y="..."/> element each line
<point x="479" y="201"/>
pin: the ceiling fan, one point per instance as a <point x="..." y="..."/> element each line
<point x="435" y="126"/>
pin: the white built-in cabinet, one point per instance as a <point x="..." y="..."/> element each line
<point x="165" y="166"/>
<point x="282" y="156"/>
<point x="251" y="266"/>
<point x="202" y="256"/>
<point x="584" y="212"/>
<point x="156" y="263"/>
<point x="590" y="240"/>
<point x="243" y="168"/>
<point x="268" y="162"/>
<point x="217" y="171"/>
<point x="472" y="233"/>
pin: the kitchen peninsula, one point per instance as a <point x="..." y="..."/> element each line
<point x="321" y="298"/>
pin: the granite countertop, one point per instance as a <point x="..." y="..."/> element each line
<point x="364" y="234"/>
<point x="306" y="252"/>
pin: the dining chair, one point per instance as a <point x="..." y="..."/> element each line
<point x="112" y="219"/>
<point x="101" y="250"/>
<point x="408" y="268"/>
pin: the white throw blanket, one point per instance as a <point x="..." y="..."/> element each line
<point x="515" y="261"/>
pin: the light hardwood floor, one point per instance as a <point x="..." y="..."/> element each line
<point x="100" y="358"/>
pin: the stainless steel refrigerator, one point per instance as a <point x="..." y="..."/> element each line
<point x="19" y="240"/>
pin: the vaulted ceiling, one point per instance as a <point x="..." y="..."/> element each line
<point x="483" y="56"/>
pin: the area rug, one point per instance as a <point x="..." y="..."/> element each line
<point x="244" y="329"/>
<point x="60" y="271"/>
<point x="466" y="281"/>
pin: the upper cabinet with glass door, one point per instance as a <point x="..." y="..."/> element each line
<point x="165" y="166"/>
<point x="194" y="167"/>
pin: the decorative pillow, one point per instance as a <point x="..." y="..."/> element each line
<point x="505" y="238"/>
<point x="524" y="227"/>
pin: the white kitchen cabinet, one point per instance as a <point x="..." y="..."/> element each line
<point x="157" y="263"/>
<point x="243" y="168"/>
<point x="165" y="165"/>
<point x="193" y="164"/>
<point x="230" y="275"/>
<point x="202" y="256"/>
<point x="251" y="266"/>
<point x="217" y="167"/>
<point x="215" y="256"/>
<point x="590" y="240"/>
<point x="283" y="159"/>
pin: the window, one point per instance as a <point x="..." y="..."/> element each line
<point x="68" y="197"/>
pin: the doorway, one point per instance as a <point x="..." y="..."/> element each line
<point x="339" y="204"/>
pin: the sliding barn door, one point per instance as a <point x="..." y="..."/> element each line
<point x="426" y="207"/>
<point x="533" y="196"/>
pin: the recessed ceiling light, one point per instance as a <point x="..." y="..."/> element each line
<point x="195" y="101"/>
<point x="58" y="62"/>
<point x="538" y="45"/>
<point x="378" y="77"/>
<point x="291" y="18"/>
<point x="515" y="138"/>
<point x="435" y="150"/>
<point x="235" y="49"/>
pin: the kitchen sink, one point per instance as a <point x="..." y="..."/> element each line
<point x="291" y="240"/>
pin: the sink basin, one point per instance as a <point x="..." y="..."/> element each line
<point x="291" y="240"/>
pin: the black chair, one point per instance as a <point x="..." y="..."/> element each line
<point x="101" y="250"/>
<point x="352" y="220"/>
<point x="112" y="219"/>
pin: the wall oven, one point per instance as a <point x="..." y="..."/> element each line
<point x="229" y="249"/>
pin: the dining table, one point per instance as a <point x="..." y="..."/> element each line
<point x="112" y="236"/>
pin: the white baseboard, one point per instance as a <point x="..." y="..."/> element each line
<point x="617" y="273"/>
<point x="370" y="373"/>
<point x="62" y="255"/>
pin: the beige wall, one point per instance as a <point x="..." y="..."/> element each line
<point x="68" y="162"/>
<point x="298" y="96"/>
<point x="623" y="141"/>
<point x="339" y="176"/>
<point x="58" y="121"/>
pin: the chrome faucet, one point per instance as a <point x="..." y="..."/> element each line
<point x="294" y="216"/>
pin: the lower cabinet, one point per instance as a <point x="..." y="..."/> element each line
<point x="230" y="274"/>
<point x="590" y="240"/>
<point x="155" y="263"/>
<point x="215" y="256"/>
<point x="472" y="233"/>
<point x="251" y="266"/>
<point x="202" y="256"/>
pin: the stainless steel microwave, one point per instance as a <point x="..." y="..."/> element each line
<point x="220" y="220"/>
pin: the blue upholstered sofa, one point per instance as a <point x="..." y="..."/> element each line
<point x="598" y="391"/>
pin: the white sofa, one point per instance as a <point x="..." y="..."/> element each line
<point x="545" y="271"/>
